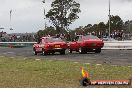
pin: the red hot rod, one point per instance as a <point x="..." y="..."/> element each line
<point x="47" y="45"/>
<point x="84" y="44"/>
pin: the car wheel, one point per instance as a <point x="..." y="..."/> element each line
<point x="43" y="52"/>
<point x="81" y="50"/>
<point x="69" y="50"/>
<point x="98" y="50"/>
<point x="34" y="51"/>
<point x="53" y="53"/>
<point x="62" y="52"/>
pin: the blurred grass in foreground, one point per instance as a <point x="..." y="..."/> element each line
<point x="31" y="73"/>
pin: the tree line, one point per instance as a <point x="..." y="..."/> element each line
<point x="64" y="12"/>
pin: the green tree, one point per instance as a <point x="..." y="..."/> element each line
<point x="88" y="28"/>
<point x="48" y="31"/>
<point x="79" y="30"/>
<point x="116" y="23"/>
<point x="40" y="33"/>
<point x="101" y="27"/>
<point x="101" y="30"/>
<point x="95" y="27"/>
<point x="128" y="26"/>
<point x="63" y="13"/>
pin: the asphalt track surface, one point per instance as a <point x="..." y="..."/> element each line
<point x="114" y="57"/>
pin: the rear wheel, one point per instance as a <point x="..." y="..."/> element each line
<point x="34" y="51"/>
<point x="98" y="50"/>
<point x="53" y="53"/>
<point x="69" y="50"/>
<point x="43" y="52"/>
<point x="62" y="52"/>
<point x="81" y="50"/>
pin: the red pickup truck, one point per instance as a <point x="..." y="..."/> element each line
<point x="84" y="44"/>
<point x="48" y="45"/>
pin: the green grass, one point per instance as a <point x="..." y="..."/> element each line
<point x="31" y="73"/>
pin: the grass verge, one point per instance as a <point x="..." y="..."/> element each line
<point x="31" y="73"/>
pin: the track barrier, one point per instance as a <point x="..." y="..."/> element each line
<point x="16" y="44"/>
<point x="107" y="44"/>
<point x="118" y="45"/>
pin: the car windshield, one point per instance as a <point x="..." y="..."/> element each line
<point x="90" y="37"/>
<point x="54" y="40"/>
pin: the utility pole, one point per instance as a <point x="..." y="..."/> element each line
<point x="44" y="14"/>
<point x="109" y="18"/>
<point x="11" y="20"/>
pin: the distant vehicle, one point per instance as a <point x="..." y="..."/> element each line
<point x="84" y="44"/>
<point x="47" y="45"/>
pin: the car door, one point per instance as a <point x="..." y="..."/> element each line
<point x="78" y="41"/>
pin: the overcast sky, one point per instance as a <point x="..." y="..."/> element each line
<point x="27" y="15"/>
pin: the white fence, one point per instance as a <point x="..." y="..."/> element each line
<point x="17" y="42"/>
<point x="117" y="45"/>
<point x="107" y="44"/>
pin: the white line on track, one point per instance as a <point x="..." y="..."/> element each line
<point x="2" y="56"/>
<point x="50" y="60"/>
<point x="87" y="63"/>
<point x="12" y="57"/>
<point x="98" y="64"/>
<point x="37" y="59"/>
<point x="76" y="62"/>
<point x="10" y="52"/>
<point x="129" y="66"/>
<point x="113" y="65"/>
<point x="25" y="58"/>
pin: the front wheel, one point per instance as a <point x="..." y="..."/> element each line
<point x="43" y="52"/>
<point x="69" y="50"/>
<point x="53" y="53"/>
<point x="62" y="52"/>
<point x="82" y="50"/>
<point x="98" y="50"/>
<point x="34" y="51"/>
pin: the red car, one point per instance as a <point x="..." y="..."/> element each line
<point x="48" y="45"/>
<point x="84" y="44"/>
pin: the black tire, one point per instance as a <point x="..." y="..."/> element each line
<point x="43" y="52"/>
<point x="98" y="50"/>
<point x="62" y="52"/>
<point x="53" y="53"/>
<point x="69" y="50"/>
<point x="34" y="51"/>
<point x="84" y="50"/>
<point x="81" y="50"/>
